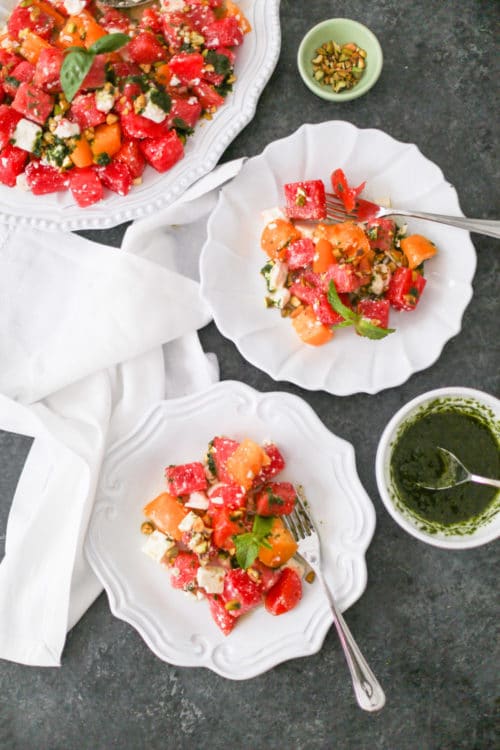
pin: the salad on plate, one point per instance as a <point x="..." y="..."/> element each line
<point x="219" y="531"/>
<point x="325" y="276"/>
<point x="91" y="95"/>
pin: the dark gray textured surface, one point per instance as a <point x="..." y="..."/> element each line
<point x="427" y="620"/>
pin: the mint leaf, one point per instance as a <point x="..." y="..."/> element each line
<point x="370" y="330"/>
<point x="75" y="67"/>
<point x="248" y="544"/>
<point x="338" y="306"/>
<point x="109" y="43"/>
<point x="362" y="325"/>
<point x="247" y="549"/>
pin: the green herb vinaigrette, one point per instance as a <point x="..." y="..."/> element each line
<point x="466" y="433"/>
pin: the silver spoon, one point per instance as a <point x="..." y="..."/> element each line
<point x="455" y="473"/>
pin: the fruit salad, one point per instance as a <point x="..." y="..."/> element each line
<point x="218" y="529"/>
<point x="90" y="95"/>
<point x="326" y="276"/>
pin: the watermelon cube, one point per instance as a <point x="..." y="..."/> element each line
<point x="185" y="113"/>
<point x="230" y="496"/>
<point x="162" y="153"/>
<point x="273" y="468"/>
<point x="33" y="102"/>
<point x="48" y="69"/>
<point x="96" y="77"/>
<point x="145" y="49"/>
<point x="86" y="186"/>
<point x="220" y="614"/>
<point x="116" y="177"/>
<point x="184" y="479"/>
<point x="136" y="126"/>
<point x="300" y="253"/>
<point x="240" y="592"/>
<point x="84" y="111"/>
<point x="305" y="200"/>
<point x="12" y="161"/>
<point x="24" y="71"/>
<point x="184" y="570"/>
<point x="39" y="22"/>
<point x="219" y="450"/>
<point x="8" y="121"/>
<point x="187" y="67"/>
<point x="43" y="178"/>
<point x="224" y="32"/>
<point x="376" y="310"/>
<point x="130" y="155"/>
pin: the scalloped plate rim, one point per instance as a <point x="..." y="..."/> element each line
<point x="297" y="645"/>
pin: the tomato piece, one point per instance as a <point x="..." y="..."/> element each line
<point x="376" y="311"/>
<point x="184" y="568"/>
<point x="241" y="593"/>
<point x="166" y="512"/>
<point x="86" y="186"/>
<point x="162" y="153"/>
<point x="276" y="499"/>
<point x="183" y="479"/>
<point x="405" y="288"/>
<point x="344" y="191"/>
<point x="285" y="594"/>
<point x="220" y="614"/>
<point x="305" y="200"/>
<point x="300" y="253"/>
<point x="43" y="179"/>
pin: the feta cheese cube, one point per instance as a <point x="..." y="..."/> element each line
<point x="152" y="111"/>
<point x="157" y="544"/>
<point x="211" y="578"/>
<point x="66" y="129"/>
<point x="190" y="522"/>
<point x="104" y="100"/>
<point x="74" y="7"/>
<point x="26" y="135"/>
<point x="197" y="500"/>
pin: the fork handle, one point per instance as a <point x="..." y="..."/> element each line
<point x="367" y="689"/>
<point x="490" y="227"/>
<point x="484" y="480"/>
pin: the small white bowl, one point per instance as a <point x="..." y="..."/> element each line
<point x="478" y="402"/>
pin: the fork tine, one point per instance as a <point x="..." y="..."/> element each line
<point x="303" y="512"/>
<point x="292" y="521"/>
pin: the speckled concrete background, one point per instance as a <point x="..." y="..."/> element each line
<point x="427" y="619"/>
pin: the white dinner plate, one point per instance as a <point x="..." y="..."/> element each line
<point x="179" y="630"/>
<point x="231" y="260"/>
<point x="255" y="61"/>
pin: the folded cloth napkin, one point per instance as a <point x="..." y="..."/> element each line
<point x="90" y="338"/>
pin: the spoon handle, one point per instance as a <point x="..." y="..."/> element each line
<point x="484" y="480"/>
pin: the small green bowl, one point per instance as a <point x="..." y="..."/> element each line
<point x="342" y="31"/>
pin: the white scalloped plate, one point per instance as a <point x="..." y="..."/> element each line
<point x="231" y="260"/>
<point x="255" y="63"/>
<point x="179" y="630"/>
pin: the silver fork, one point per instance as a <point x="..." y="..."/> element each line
<point x="366" y="210"/>
<point x="369" y="694"/>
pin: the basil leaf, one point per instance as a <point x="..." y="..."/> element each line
<point x="75" y="67"/>
<point x="262" y="526"/>
<point x="370" y="330"/>
<point x="109" y="43"/>
<point x="338" y="306"/>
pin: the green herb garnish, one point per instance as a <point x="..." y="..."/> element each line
<point x="351" y="318"/>
<point x="248" y="544"/>
<point x="78" y="61"/>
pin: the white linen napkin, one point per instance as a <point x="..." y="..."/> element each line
<point x="90" y="338"/>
